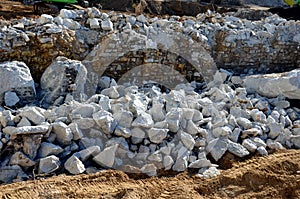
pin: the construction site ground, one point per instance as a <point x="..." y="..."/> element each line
<point x="273" y="176"/>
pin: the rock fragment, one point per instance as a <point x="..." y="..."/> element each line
<point x="74" y="165"/>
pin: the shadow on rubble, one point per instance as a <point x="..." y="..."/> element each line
<point x="287" y="13"/>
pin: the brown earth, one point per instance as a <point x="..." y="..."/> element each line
<point x="15" y="10"/>
<point x="274" y="176"/>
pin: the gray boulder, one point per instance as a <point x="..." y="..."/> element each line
<point x="201" y="163"/>
<point x="276" y="84"/>
<point x="106" y="158"/>
<point x="157" y="135"/>
<point x="107" y="25"/>
<point x="63" y="133"/>
<point x="21" y="159"/>
<point x="74" y="165"/>
<point x="16" y="77"/>
<point x="149" y="169"/>
<point x="47" y="149"/>
<point x="168" y="162"/>
<point x="105" y="121"/>
<point x="49" y="164"/>
<point x="11" y="98"/>
<point x="143" y="120"/>
<point x="217" y="148"/>
<point x="33" y="115"/>
<point x="9" y="173"/>
<point x="89" y="152"/>
<point x="187" y="140"/>
<point x="62" y="77"/>
<point x="237" y="149"/>
<point x="124" y="118"/>
<point x="26" y="130"/>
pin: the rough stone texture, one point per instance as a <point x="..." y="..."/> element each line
<point x="31" y="144"/>
<point x="9" y="173"/>
<point x="11" y="98"/>
<point x="74" y="165"/>
<point x="26" y="130"/>
<point x="237" y="149"/>
<point x="89" y="152"/>
<point x="49" y="164"/>
<point x="106" y="158"/>
<point x="273" y="85"/>
<point x="157" y="135"/>
<point x="63" y="133"/>
<point x="273" y="40"/>
<point x="105" y="121"/>
<point x="33" y="115"/>
<point x="143" y="129"/>
<point x="16" y="77"/>
<point x="110" y="50"/>
<point x="149" y="169"/>
<point x="62" y="77"/>
<point x="20" y="159"/>
<point x="217" y="148"/>
<point x="47" y="149"/>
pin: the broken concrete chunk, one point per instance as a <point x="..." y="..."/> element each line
<point x="31" y="144"/>
<point x="262" y="151"/>
<point x="201" y="163"/>
<point x="217" y="148"/>
<point x="64" y="76"/>
<point x="274" y="85"/>
<point x="149" y="169"/>
<point x="168" y="162"/>
<point x="11" y="98"/>
<point x="33" y="115"/>
<point x="143" y="120"/>
<point x="237" y="149"/>
<point x="24" y="122"/>
<point x="16" y="77"/>
<point x="187" y="140"/>
<point x="91" y="151"/>
<point x="77" y="133"/>
<point x="157" y="135"/>
<point x="74" y="165"/>
<point x="124" y="118"/>
<point x="107" y="25"/>
<point x="49" y="164"/>
<point x="105" y="121"/>
<point x="26" y="130"/>
<point x="63" y="133"/>
<point x="249" y="145"/>
<point x="106" y="158"/>
<point x="111" y="92"/>
<point x="122" y="132"/>
<point x="21" y="159"/>
<point x="47" y="149"/>
<point x="9" y="173"/>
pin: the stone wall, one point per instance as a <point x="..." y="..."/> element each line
<point x="237" y="44"/>
<point x="246" y="51"/>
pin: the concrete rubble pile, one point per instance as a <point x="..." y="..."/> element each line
<point x="247" y="46"/>
<point x="54" y="127"/>
<point x="143" y="131"/>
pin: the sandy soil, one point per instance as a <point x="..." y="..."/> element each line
<point x="274" y="176"/>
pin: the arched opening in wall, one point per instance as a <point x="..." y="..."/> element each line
<point x="161" y="66"/>
<point x="153" y="73"/>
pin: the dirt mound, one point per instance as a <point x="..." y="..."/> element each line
<point x="274" y="176"/>
<point x="10" y="10"/>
